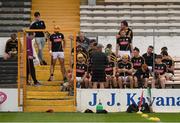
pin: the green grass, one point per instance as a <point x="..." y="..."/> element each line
<point x="81" y="117"/>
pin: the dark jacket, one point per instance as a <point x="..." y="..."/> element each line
<point x="99" y="61"/>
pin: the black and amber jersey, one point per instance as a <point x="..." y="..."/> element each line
<point x="109" y="68"/>
<point x="128" y="33"/>
<point x="90" y="52"/>
<point x="122" y="65"/>
<point x="82" y="50"/>
<point x="79" y="49"/>
<point x="56" y="42"/>
<point x="140" y="73"/>
<point x="11" y="46"/>
<point x="113" y="57"/>
<point x="81" y="68"/>
<point x="169" y="63"/>
<point x="124" y="43"/>
<point x="149" y="58"/>
<point x="137" y="62"/>
<point x="38" y="25"/>
<point x="160" y="68"/>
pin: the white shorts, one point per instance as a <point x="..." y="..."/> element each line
<point x="150" y="68"/>
<point x="125" y="78"/>
<point x="121" y="53"/>
<point x="170" y="76"/>
<point x="58" y="55"/>
<point x="79" y="79"/>
<point x="134" y="71"/>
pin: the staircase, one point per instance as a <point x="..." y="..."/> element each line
<point x="49" y="96"/>
<point x="8" y="73"/>
<point x="64" y="13"/>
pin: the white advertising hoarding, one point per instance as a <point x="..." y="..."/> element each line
<point x="117" y="100"/>
<point x="9" y="100"/>
<point x="113" y="100"/>
<point x="2" y="45"/>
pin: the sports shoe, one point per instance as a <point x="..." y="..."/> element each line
<point x="50" y="78"/>
<point x="44" y="62"/>
<point x="37" y="84"/>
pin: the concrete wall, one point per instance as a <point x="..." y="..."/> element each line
<point x="2" y="45"/>
<point x="173" y="43"/>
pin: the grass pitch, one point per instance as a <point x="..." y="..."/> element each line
<point x="82" y="117"/>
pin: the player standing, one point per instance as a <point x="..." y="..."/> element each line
<point x="56" y="48"/>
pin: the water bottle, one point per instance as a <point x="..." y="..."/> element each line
<point x="78" y="85"/>
<point x="99" y="107"/>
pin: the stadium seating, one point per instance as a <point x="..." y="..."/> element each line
<point x="14" y="16"/>
<point x="176" y="82"/>
<point x="147" y="18"/>
<point x="145" y="1"/>
<point x="143" y="17"/>
<point x="8" y="70"/>
<point x="85" y="2"/>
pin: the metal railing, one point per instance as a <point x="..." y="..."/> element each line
<point x="22" y="61"/>
<point x="19" y="67"/>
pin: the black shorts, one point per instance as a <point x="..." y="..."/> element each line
<point x="98" y="76"/>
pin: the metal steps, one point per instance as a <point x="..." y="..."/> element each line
<point x="46" y="108"/>
<point x="35" y="102"/>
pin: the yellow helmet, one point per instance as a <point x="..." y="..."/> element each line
<point x="80" y="55"/>
<point x="56" y="28"/>
<point x="125" y="56"/>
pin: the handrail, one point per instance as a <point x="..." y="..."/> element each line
<point x="74" y="68"/>
<point x="24" y="58"/>
<point x="24" y="68"/>
<point x="19" y="68"/>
